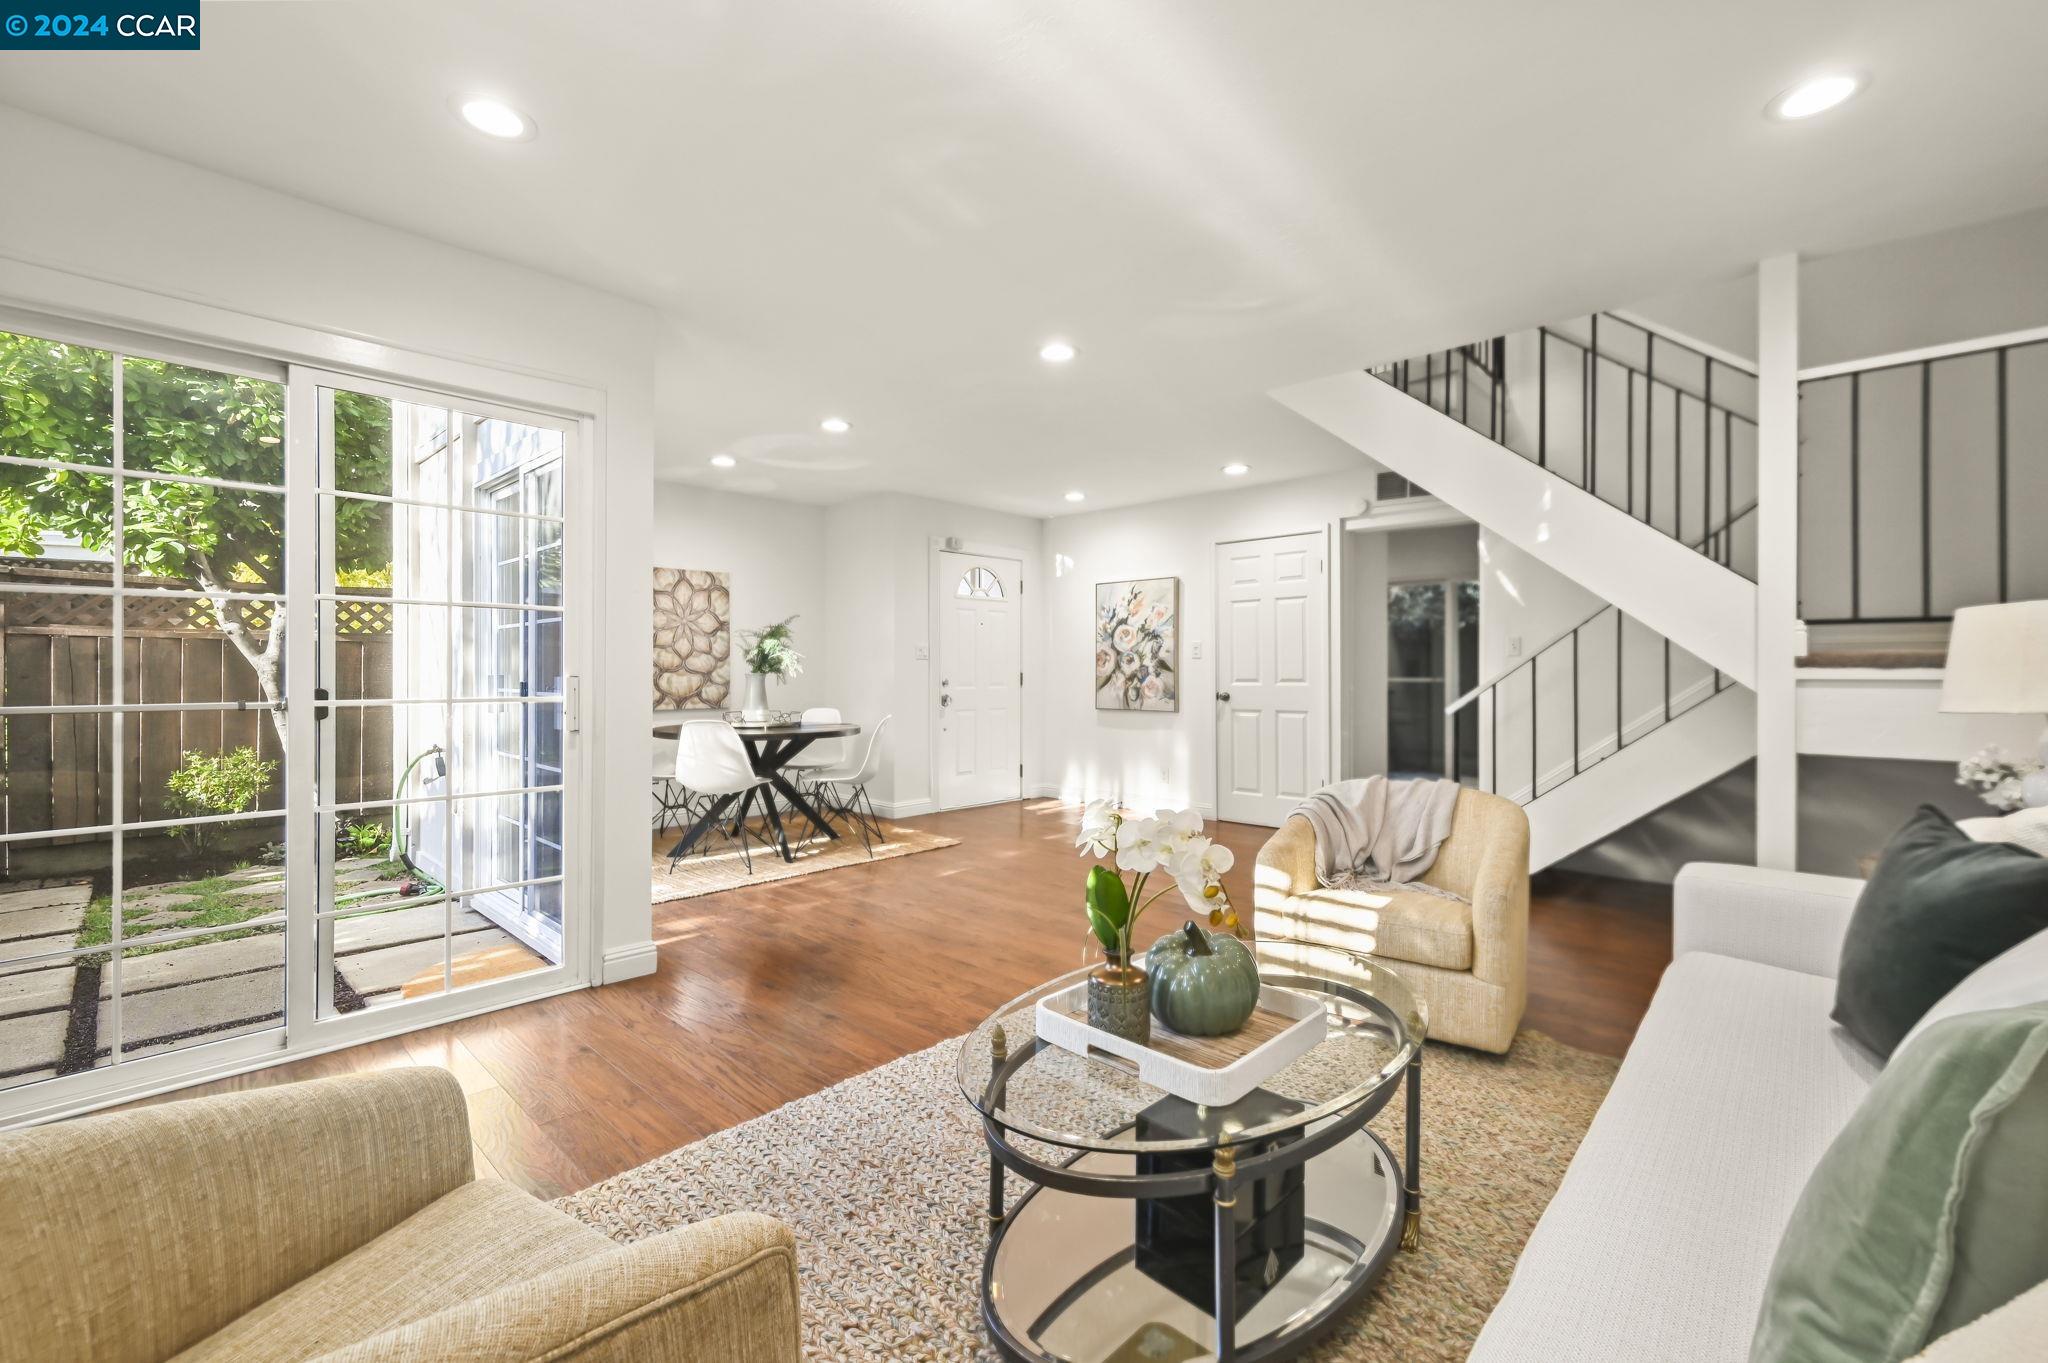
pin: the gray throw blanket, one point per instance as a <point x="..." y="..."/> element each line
<point x="1377" y="831"/>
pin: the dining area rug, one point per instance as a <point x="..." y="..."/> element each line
<point x="883" y="1177"/>
<point x="721" y="866"/>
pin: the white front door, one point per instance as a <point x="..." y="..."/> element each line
<point x="1272" y="676"/>
<point x="980" y="718"/>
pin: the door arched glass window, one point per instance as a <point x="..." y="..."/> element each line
<point x="980" y="582"/>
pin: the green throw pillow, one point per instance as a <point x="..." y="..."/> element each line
<point x="1939" y="905"/>
<point x="1928" y="1210"/>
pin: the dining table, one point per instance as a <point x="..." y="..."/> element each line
<point x="771" y="747"/>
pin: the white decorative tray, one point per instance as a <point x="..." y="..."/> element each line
<point x="1214" y="1071"/>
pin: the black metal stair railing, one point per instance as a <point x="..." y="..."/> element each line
<point x="1669" y="443"/>
<point x="1573" y="645"/>
<point x="1910" y="473"/>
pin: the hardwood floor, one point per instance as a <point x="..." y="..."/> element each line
<point x="774" y="991"/>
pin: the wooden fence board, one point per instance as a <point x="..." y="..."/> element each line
<point x="60" y="768"/>
<point x="27" y="660"/>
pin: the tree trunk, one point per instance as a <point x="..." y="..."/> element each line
<point x="266" y="659"/>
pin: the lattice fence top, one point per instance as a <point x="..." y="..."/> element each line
<point x="143" y="612"/>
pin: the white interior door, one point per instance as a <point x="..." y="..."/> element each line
<point x="1272" y="676"/>
<point x="978" y="668"/>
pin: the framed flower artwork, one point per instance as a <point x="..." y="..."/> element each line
<point x="1137" y="644"/>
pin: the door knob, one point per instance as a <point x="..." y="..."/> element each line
<point x="1223" y="696"/>
<point x="945" y="700"/>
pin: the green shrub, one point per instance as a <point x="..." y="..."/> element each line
<point x="205" y="783"/>
<point x="364" y="838"/>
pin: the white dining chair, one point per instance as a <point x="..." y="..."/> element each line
<point x="845" y="788"/>
<point x="712" y="763"/>
<point x="825" y="752"/>
<point x="671" y="800"/>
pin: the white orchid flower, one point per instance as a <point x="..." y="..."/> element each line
<point x="1198" y="864"/>
<point x="1141" y="843"/>
<point x="1098" y="836"/>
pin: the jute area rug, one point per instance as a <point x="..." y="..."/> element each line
<point x="883" y="1177"/>
<point x="723" y="868"/>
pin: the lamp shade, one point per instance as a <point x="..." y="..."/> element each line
<point x="1998" y="660"/>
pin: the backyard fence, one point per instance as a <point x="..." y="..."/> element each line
<point x="57" y="648"/>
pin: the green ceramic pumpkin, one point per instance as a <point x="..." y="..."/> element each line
<point x="1203" y="983"/>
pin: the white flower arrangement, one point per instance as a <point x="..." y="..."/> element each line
<point x="1171" y="841"/>
<point x="1996" y="778"/>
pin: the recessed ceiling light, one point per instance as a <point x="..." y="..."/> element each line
<point x="495" y="118"/>
<point x="1057" y="352"/>
<point x="723" y="461"/>
<point x="1236" y="470"/>
<point x="834" y="425"/>
<point x="1077" y="496"/>
<point x="1811" y="97"/>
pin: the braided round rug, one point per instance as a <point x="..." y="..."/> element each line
<point x="882" y="1178"/>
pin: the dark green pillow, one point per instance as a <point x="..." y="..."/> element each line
<point x="1939" y="905"/>
<point x="1927" y="1210"/>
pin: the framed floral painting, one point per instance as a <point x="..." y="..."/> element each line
<point x="1137" y="644"/>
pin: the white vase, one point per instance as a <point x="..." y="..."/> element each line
<point x="755" y="709"/>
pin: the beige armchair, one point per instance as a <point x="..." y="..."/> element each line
<point x="1467" y="960"/>
<point x="340" y="1219"/>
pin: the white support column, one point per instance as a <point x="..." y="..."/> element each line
<point x="1779" y="634"/>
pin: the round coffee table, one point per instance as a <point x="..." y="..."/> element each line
<point x="1159" y="1230"/>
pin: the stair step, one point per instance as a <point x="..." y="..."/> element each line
<point x="1876" y="657"/>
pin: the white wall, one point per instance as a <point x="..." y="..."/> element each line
<point x="774" y="554"/>
<point x="1957" y="285"/>
<point x="1362" y="718"/>
<point x="1435" y="554"/>
<point x="879" y="599"/>
<point x="116" y="235"/>
<point x="1152" y="758"/>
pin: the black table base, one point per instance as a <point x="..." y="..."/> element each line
<point x="770" y="754"/>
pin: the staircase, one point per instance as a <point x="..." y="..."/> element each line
<point x="1625" y="461"/>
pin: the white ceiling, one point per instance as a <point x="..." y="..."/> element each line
<point x="880" y="208"/>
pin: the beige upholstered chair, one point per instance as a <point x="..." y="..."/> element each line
<point x="1467" y="961"/>
<point x="339" y="1219"/>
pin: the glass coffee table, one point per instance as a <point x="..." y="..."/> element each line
<point x="1160" y="1231"/>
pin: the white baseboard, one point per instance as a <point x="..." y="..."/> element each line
<point x="905" y="809"/>
<point x="1079" y="798"/>
<point x="627" y="962"/>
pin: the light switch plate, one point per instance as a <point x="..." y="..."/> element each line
<point x="1514" y="645"/>
<point x="1195" y="650"/>
<point x="922" y="653"/>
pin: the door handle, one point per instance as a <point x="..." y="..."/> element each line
<point x="1223" y="696"/>
<point x="944" y="700"/>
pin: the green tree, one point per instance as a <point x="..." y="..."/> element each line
<point x="57" y="404"/>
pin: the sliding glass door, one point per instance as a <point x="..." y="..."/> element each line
<point x="284" y="725"/>
<point x="143" y="891"/>
<point x="440" y="781"/>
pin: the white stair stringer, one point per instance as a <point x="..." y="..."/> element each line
<point x="1707" y="741"/>
<point x="1699" y="605"/>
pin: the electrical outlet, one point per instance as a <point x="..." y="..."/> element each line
<point x="1196" y="650"/>
<point x="922" y="653"/>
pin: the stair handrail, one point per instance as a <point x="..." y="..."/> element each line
<point x="1489" y="357"/>
<point x="1528" y="658"/>
<point x="1537" y="790"/>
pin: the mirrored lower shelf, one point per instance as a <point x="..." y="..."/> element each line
<point x="1064" y="1279"/>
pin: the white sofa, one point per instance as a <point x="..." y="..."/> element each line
<point x="1660" y="1239"/>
